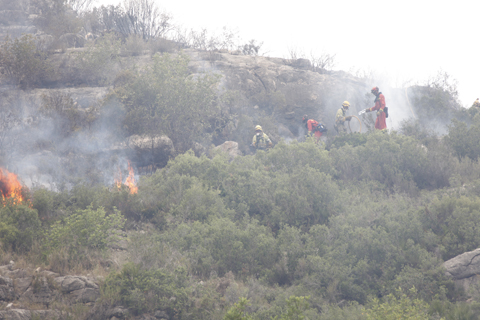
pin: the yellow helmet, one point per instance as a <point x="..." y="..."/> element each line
<point x="346" y="104"/>
<point x="258" y="128"/>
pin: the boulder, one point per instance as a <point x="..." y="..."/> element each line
<point x="464" y="266"/>
<point x="118" y="312"/>
<point x="161" y="315"/>
<point x="229" y="147"/>
<point x="146" y="150"/>
<point x="464" y="270"/>
<point x="70" y="283"/>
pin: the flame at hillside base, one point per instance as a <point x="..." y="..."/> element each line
<point x="129" y="182"/>
<point x="10" y="187"/>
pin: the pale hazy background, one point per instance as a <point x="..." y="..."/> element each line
<point x="401" y="43"/>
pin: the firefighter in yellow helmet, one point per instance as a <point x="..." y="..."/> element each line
<point x="261" y="140"/>
<point x="341" y="117"/>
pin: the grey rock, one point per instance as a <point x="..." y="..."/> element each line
<point x="21" y="285"/>
<point x="39" y="292"/>
<point x="118" y="312"/>
<point x="17" y="273"/>
<point x="463" y="266"/>
<point x="159" y="314"/>
<point x="7" y="291"/>
<point x="229" y="147"/>
<point x="147" y="150"/>
<point x="86" y="295"/>
<point x="71" y="283"/>
<point x="22" y="314"/>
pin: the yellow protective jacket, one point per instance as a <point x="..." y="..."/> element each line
<point x="340" y="116"/>
<point x="262" y="141"/>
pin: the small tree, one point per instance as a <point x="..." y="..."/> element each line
<point x="21" y="63"/>
<point x="146" y="19"/>
<point x="398" y="308"/>
<point x="167" y="100"/>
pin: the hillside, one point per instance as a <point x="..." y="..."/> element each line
<point x="119" y="203"/>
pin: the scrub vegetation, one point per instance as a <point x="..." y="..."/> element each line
<point x="354" y="228"/>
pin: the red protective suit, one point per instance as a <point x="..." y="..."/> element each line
<point x="311" y="126"/>
<point x="381" y="122"/>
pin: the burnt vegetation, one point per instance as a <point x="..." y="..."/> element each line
<point x="354" y="228"/>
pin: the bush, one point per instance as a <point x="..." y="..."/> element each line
<point x="455" y="223"/>
<point x="56" y="18"/>
<point x="148" y="290"/>
<point x="97" y="65"/>
<point x="221" y="246"/>
<point x="167" y="100"/>
<point x="66" y="115"/>
<point x="19" y="226"/>
<point x="395" y="308"/>
<point x="91" y="229"/>
<point x="463" y="138"/>
<point x="21" y="63"/>
<point x="395" y="161"/>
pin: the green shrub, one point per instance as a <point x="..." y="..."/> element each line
<point x="394" y="308"/>
<point x="148" y="290"/>
<point x="237" y="312"/>
<point x="19" y="226"/>
<point x="221" y="246"/>
<point x="166" y="99"/>
<point x="455" y="222"/>
<point x="463" y="138"/>
<point x="97" y="65"/>
<point x="90" y="229"/>
<point x="21" y="63"/>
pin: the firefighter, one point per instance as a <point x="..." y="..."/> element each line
<point x="380" y="107"/>
<point x="261" y="140"/>
<point x="341" y="117"/>
<point x="314" y="128"/>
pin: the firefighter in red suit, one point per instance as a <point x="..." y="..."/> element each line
<point x="312" y="127"/>
<point x="381" y="122"/>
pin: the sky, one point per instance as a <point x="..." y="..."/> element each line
<point x="402" y="42"/>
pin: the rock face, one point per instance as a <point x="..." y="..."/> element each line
<point x="24" y="287"/>
<point x="464" y="269"/>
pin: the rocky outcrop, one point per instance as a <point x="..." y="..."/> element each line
<point x="464" y="269"/>
<point x="20" y="288"/>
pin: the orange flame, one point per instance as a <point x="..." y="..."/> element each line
<point x="10" y="187"/>
<point x="118" y="178"/>
<point x="130" y="181"/>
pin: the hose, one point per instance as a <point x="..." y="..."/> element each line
<point x="358" y="122"/>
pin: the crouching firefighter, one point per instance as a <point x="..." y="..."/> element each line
<point x="314" y="128"/>
<point x="260" y="140"/>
